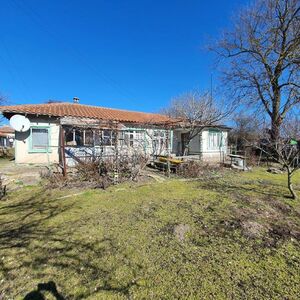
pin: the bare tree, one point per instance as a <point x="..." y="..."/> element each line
<point x="291" y="126"/>
<point x="262" y="58"/>
<point x="245" y="131"/>
<point x="196" y="110"/>
<point x="285" y="151"/>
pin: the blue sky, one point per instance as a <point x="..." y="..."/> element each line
<point x="133" y="55"/>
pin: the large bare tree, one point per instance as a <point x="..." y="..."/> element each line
<point x="262" y="58"/>
<point x="196" y="110"/>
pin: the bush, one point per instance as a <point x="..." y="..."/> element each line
<point x="2" y="188"/>
<point x="99" y="173"/>
<point x="7" y="152"/>
<point x="195" y="169"/>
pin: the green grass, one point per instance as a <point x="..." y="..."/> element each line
<point x="241" y="240"/>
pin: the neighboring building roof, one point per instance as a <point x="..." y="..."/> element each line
<point x="84" y="111"/>
<point x="6" y="131"/>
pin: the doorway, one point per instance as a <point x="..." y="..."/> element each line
<point x="184" y="142"/>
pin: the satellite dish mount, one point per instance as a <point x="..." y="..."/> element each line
<point x="19" y="123"/>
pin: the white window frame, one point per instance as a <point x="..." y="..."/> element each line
<point x="34" y="149"/>
<point x="215" y="140"/>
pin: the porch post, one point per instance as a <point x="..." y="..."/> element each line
<point x="62" y="150"/>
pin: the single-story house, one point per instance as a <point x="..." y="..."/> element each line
<point x="72" y="132"/>
<point x="7" y="136"/>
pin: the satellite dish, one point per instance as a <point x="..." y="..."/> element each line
<point x="19" y="123"/>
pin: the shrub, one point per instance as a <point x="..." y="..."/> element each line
<point x="99" y="173"/>
<point x="195" y="169"/>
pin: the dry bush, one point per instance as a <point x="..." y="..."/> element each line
<point x="130" y="167"/>
<point x="2" y="188"/>
<point x="194" y="169"/>
<point x="6" y="153"/>
<point x="99" y="173"/>
<point x="251" y="157"/>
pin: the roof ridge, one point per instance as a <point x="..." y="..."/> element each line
<point x="86" y="111"/>
<point x="111" y="108"/>
<point x="88" y="105"/>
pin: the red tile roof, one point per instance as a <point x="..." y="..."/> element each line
<point x="6" y="129"/>
<point x="84" y="111"/>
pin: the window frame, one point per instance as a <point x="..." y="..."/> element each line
<point x="107" y="138"/>
<point x="219" y="137"/>
<point x="46" y="150"/>
<point x="134" y="137"/>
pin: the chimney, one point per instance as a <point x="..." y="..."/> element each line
<point x="75" y="100"/>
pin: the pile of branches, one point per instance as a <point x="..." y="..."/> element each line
<point x="99" y="173"/>
<point x="6" y="152"/>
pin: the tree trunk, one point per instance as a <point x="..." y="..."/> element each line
<point x="275" y="116"/>
<point x="275" y="136"/>
<point x="186" y="150"/>
<point x="275" y="129"/>
<point x="185" y="141"/>
<point x="290" y="184"/>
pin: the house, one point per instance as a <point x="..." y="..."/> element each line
<point x="7" y="136"/>
<point x="72" y="132"/>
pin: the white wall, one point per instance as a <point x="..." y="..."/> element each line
<point x="213" y="154"/>
<point x="199" y="145"/>
<point x="22" y="147"/>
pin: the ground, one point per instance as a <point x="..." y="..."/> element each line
<point x="16" y="176"/>
<point x="234" y="236"/>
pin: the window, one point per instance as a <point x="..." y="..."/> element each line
<point x="88" y="135"/>
<point x="214" y="140"/>
<point x="107" y="138"/>
<point x="39" y="139"/>
<point x="129" y="138"/>
<point x="97" y="137"/>
<point x="80" y="137"/>
<point x="160" y="141"/>
<point x="69" y="136"/>
<point x="103" y="137"/>
<point x="134" y="138"/>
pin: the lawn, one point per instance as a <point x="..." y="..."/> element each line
<point x="232" y="237"/>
